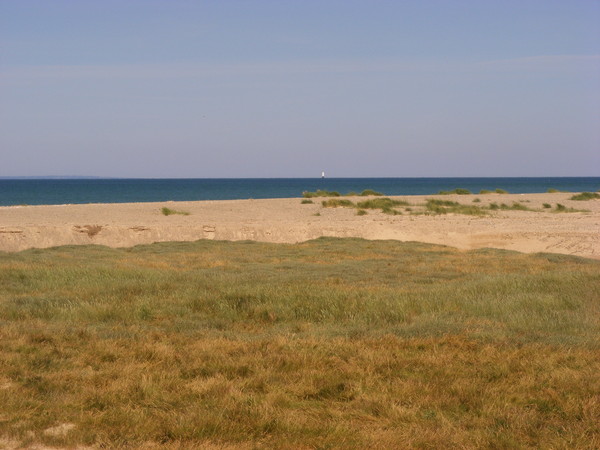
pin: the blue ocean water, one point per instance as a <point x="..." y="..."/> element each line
<point x="65" y="191"/>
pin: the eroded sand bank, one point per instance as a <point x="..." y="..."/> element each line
<point x="287" y="220"/>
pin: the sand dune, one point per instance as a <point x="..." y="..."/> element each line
<point x="287" y="220"/>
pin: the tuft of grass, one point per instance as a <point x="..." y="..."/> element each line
<point x="320" y="193"/>
<point x="444" y="207"/>
<point x="336" y="203"/>
<point x="361" y="212"/>
<point x="381" y="203"/>
<point x="560" y="208"/>
<point x="500" y="191"/>
<point x="459" y="191"/>
<point x="586" y="196"/>
<point x="485" y="191"/>
<point x="168" y="212"/>
<point x="368" y="192"/>
<point x="306" y="201"/>
<point x="385" y="204"/>
<point x="476" y="200"/>
<point x="514" y="207"/>
<point x="547" y="205"/>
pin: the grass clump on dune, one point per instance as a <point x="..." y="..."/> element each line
<point x="168" y="212"/>
<point x="336" y="203"/>
<point x="332" y="343"/>
<point x="320" y="193"/>
<point x="306" y="201"/>
<point x="386" y="205"/>
<point x="586" y="196"/>
<point x="445" y="207"/>
<point x="459" y="191"/>
<point x="368" y="192"/>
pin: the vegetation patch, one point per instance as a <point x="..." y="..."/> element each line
<point x="514" y="207"/>
<point x="306" y="201"/>
<point x="434" y="206"/>
<point x="459" y="191"/>
<point x="332" y="343"/>
<point x="586" y="196"/>
<point x="337" y="202"/>
<point x="368" y="192"/>
<point x="500" y="191"/>
<point x="168" y="212"/>
<point x="320" y="193"/>
<point x="560" y="208"/>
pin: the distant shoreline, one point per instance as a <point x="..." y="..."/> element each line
<point x="43" y="191"/>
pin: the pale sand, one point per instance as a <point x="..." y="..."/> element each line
<point x="287" y="220"/>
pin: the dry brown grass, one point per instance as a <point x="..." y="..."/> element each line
<point x="334" y="343"/>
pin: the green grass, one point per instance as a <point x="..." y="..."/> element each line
<point x="434" y="206"/>
<point x="514" y="207"/>
<point x="320" y="193"/>
<point x="306" y="201"/>
<point x="500" y="191"/>
<point x="560" y="208"/>
<point x="368" y="192"/>
<point x="332" y="343"/>
<point x="168" y="212"/>
<point x="336" y="203"/>
<point x="485" y="191"/>
<point x="586" y="196"/>
<point x="459" y="191"/>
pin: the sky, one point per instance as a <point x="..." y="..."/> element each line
<point x="357" y="88"/>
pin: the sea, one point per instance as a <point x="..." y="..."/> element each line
<point x="29" y="191"/>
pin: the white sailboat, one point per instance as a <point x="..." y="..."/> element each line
<point x="323" y="174"/>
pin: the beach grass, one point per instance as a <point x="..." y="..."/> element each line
<point x="586" y="196"/>
<point x="320" y="193"/>
<point x="458" y="191"/>
<point x="168" y="212"/>
<point x="331" y="343"/>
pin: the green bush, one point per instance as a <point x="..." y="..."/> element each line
<point x="320" y="193"/>
<point x="368" y="192"/>
<point x="585" y="196"/>
<point x="459" y="191"/>
<point x="168" y="212"/>
<point x="336" y="202"/>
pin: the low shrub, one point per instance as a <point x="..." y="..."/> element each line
<point x="336" y="202"/>
<point x="381" y="203"/>
<point x="485" y="191"/>
<point x="320" y="193"/>
<point x="547" y="205"/>
<point x="306" y="201"/>
<point x="586" y="196"/>
<point x="168" y="212"/>
<point x="501" y="191"/>
<point x="459" y="191"/>
<point x="361" y="212"/>
<point x="368" y="192"/>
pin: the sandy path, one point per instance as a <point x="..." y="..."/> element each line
<point x="287" y="220"/>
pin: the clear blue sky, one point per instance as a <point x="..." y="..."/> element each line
<point x="175" y="88"/>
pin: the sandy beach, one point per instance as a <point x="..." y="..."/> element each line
<point x="289" y="221"/>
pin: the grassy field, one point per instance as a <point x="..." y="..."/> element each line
<point x="332" y="343"/>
